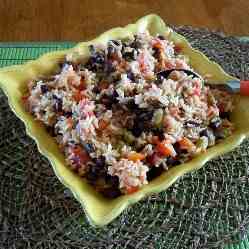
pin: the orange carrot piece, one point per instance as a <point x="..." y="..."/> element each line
<point x="78" y="96"/>
<point x="82" y="154"/>
<point x="134" y="156"/>
<point x="102" y="124"/>
<point x="82" y="85"/>
<point x="164" y="149"/>
<point x="104" y="84"/>
<point x="132" y="189"/>
<point x="186" y="144"/>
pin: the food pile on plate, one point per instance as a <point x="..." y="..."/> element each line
<point x="119" y="122"/>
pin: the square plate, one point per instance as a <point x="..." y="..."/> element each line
<point x="99" y="210"/>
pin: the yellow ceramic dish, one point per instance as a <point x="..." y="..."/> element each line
<point x="99" y="210"/>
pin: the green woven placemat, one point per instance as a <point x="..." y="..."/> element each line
<point x="205" y="209"/>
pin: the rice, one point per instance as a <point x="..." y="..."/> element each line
<point x="131" y="174"/>
<point x="115" y="118"/>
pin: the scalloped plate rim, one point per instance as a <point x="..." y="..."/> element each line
<point x="176" y="172"/>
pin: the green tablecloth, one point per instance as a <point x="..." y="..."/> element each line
<point x="165" y="221"/>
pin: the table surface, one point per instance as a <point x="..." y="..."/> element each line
<point x="75" y="20"/>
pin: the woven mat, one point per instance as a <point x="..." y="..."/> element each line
<point x="205" y="209"/>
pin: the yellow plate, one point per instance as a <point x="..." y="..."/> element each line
<point x="99" y="210"/>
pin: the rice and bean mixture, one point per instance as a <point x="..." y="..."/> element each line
<point x="118" y="122"/>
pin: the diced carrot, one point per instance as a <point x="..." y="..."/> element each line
<point x="82" y="85"/>
<point x="134" y="156"/>
<point x="157" y="43"/>
<point x="82" y="154"/>
<point x="132" y="189"/>
<point x="102" y="124"/>
<point x="104" y="84"/>
<point x="77" y="150"/>
<point x="186" y="144"/>
<point x="165" y="148"/>
<point x="78" y="96"/>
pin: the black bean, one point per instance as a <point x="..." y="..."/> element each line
<point x="68" y="114"/>
<point x="96" y="61"/>
<point x="114" y="97"/>
<point x="111" y="192"/>
<point x="97" y="169"/>
<point x="191" y="123"/>
<point x="225" y="115"/>
<point x="172" y="161"/>
<point x="145" y="116"/>
<point x="91" y="65"/>
<point x="44" y="88"/>
<point x="159" y="79"/>
<point x="137" y="129"/>
<point x="129" y="56"/>
<point x="136" y="44"/>
<point x="54" y="96"/>
<point x="109" y="100"/>
<point x="100" y="161"/>
<point x="106" y="102"/>
<point x="51" y="131"/>
<point x="96" y="89"/>
<point x="112" y="180"/>
<point x="161" y="37"/>
<point x="110" y="51"/>
<point x="130" y="75"/>
<point x="154" y="172"/>
<point x="131" y="104"/>
<point x="58" y="104"/>
<point x="159" y="132"/>
<point x="91" y="176"/>
<point x="76" y="66"/>
<point x="214" y="124"/>
<point x="142" y="122"/>
<point x="204" y="133"/>
<point x="178" y="149"/>
<point x="99" y="58"/>
<point x="115" y="94"/>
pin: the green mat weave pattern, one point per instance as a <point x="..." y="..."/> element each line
<point x="205" y="209"/>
